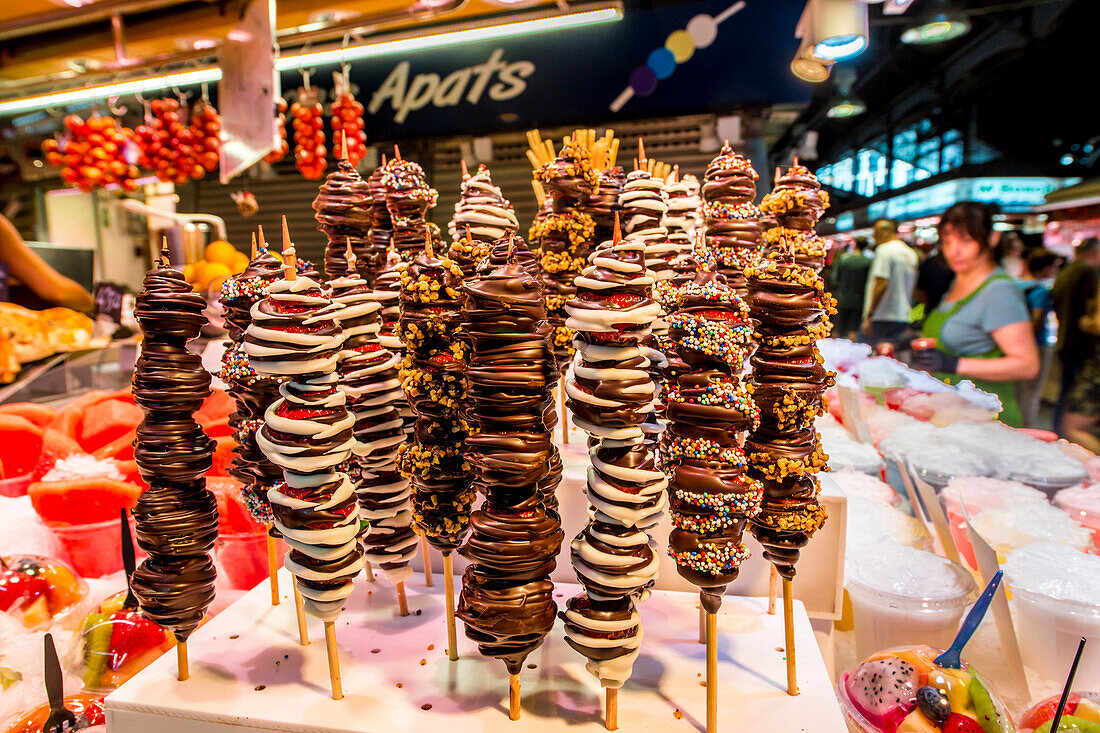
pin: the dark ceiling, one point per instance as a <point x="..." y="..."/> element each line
<point x="1021" y="80"/>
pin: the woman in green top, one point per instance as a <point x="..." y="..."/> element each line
<point x="982" y="327"/>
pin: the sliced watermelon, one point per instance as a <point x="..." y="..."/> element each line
<point x="215" y="408"/>
<point x="82" y="501"/>
<point x="55" y="446"/>
<point x="20" y="444"/>
<point x="40" y="415"/>
<point x="107" y="421"/>
<point x="121" y="448"/>
<point x="218" y="428"/>
<point x="129" y="469"/>
<point x="233" y="516"/>
<point x="223" y="454"/>
<point x="70" y="417"/>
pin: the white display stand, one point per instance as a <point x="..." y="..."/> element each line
<point x="248" y="673"/>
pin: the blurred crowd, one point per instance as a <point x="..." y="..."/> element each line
<point x="979" y="304"/>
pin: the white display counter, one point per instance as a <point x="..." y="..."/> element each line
<point x="248" y="673"/>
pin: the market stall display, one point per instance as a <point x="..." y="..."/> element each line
<point x="176" y="516"/>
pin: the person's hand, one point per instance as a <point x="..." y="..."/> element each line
<point x="865" y="327"/>
<point x="933" y="360"/>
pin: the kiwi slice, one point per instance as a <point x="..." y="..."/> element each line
<point x="983" y="706"/>
<point x="97" y="644"/>
<point x="1071" y="724"/>
<point x="8" y="677"/>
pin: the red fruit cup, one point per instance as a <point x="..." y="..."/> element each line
<point x="15" y="486"/>
<point x="242" y="558"/>
<point x="93" y="550"/>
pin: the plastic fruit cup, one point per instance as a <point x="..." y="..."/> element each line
<point x="93" y="550"/>
<point x="15" y="486"/>
<point x="1049" y="630"/>
<point x="887" y="618"/>
<point x="1083" y="504"/>
<point x="242" y="558"/>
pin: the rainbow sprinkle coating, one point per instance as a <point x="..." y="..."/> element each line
<point x="679" y="448"/>
<point x="713" y="559"/>
<point x="724" y="210"/>
<point x="727" y="340"/>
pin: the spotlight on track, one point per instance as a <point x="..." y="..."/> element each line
<point x="941" y="23"/>
<point x="838" y="29"/>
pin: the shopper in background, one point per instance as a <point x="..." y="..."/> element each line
<point x="1074" y="289"/>
<point x="848" y="282"/>
<point x="1042" y="264"/>
<point x="982" y="329"/>
<point x="1012" y="257"/>
<point x="934" y="279"/>
<point x="33" y="283"/>
<point x="888" y="294"/>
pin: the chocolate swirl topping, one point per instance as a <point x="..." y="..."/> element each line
<point x="177" y="517"/>
<point x="507" y="598"/>
<point x="345" y="211"/>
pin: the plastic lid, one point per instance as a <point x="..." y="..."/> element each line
<point x="901" y="575"/>
<point x="1009" y="526"/>
<point x="1082" y="499"/>
<point x="979" y="492"/>
<point x="1056" y="571"/>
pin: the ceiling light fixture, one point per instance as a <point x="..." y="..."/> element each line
<point x="806" y="65"/>
<point x="838" y="28"/>
<point x="941" y="23"/>
<point x="846" y="103"/>
<point x="555" y="22"/>
<point x="506" y="27"/>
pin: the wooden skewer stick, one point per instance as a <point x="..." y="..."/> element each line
<point x="333" y="661"/>
<point x="426" y="556"/>
<point x="290" y="259"/>
<point x="449" y="588"/>
<point x="611" y="708"/>
<point x="465" y="170"/>
<point x="773" y="582"/>
<point x="428" y="243"/>
<point x="182" y="672"/>
<point x="343" y="145"/>
<point x="300" y="612"/>
<point x="641" y="154"/>
<point x="513" y="697"/>
<point x="254" y="250"/>
<point x="702" y="624"/>
<point x="368" y="571"/>
<point x="788" y="629"/>
<point x="260" y="236"/>
<point x="272" y="567"/>
<point x="396" y="152"/>
<point x="712" y="673"/>
<point x="534" y="158"/>
<point x="402" y="601"/>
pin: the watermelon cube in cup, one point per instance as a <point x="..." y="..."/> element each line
<point x="242" y="558"/>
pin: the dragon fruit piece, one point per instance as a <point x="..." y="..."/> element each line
<point x="884" y="691"/>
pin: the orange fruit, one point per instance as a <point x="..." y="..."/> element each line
<point x="239" y="263"/>
<point x="222" y="252"/>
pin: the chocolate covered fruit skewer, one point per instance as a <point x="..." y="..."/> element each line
<point x="176" y="517"/>
<point x="252" y="393"/>
<point x="791" y="309"/>
<point x="611" y="396"/>
<point x="308" y="432"/>
<point x="732" y="219"/>
<point x="433" y="376"/>
<point x="345" y="211"/>
<point x="507" y="598"/>
<point x="482" y="216"/>
<point x="368" y="376"/>
<point x="710" y="409"/>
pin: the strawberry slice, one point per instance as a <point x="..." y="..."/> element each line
<point x="301" y="413"/>
<point x="132" y="634"/>
<point x="959" y="723"/>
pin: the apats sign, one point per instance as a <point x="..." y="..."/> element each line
<point x="497" y="79"/>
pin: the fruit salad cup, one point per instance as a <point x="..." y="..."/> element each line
<point x="1081" y="715"/>
<point x="114" y="644"/>
<point x="38" y="590"/>
<point x="904" y="691"/>
<point x="87" y="709"/>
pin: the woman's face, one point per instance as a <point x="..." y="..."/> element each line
<point x="962" y="252"/>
